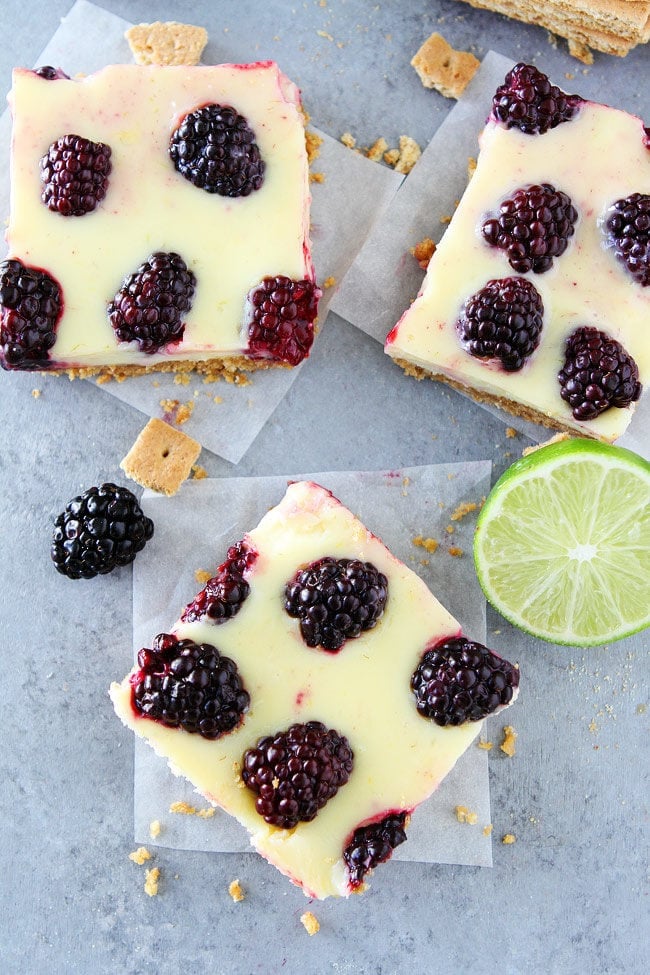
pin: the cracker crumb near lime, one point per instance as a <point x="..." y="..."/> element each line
<point x="563" y="540"/>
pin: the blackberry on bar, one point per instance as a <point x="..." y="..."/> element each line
<point x="74" y="173"/>
<point x="280" y="319"/>
<point x="458" y="680"/>
<point x="597" y="373"/>
<point x="31" y="305"/>
<point x="502" y="321"/>
<point x="528" y="101"/>
<point x="533" y="226"/>
<point x="627" y="226"/>
<point x="99" y="530"/>
<point x="223" y="596"/>
<point x="373" y="844"/>
<point x="336" y="600"/>
<point x="189" y="685"/>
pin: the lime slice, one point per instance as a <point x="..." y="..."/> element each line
<point x="562" y="545"/>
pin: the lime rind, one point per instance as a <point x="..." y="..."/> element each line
<point x="562" y="545"/>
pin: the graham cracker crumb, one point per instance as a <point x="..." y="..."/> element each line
<point x="439" y="66"/>
<point x="485" y="745"/>
<point x="463" y="815"/>
<point x="488" y="829"/>
<point x="450" y="529"/>
<point x="181" y="379"/>
<point x="471" y="166"/>
<point x="183" y="808"/>
<point x="507" y="746"/>
<point x="218" y="399"/>
<point x="391" y="156"/>
<point x="430" y="544"/>
<point x="310" y="923"/>
<point x="36" y="393"/>
<point x="184" y="412"/>
<point x="317" y="177"/>
<point x="329" y="282"/>
<point x="409" y="153"/>
<point x="455" y="551"/>
<point x="377" y="150"/>
<point x="166" y="43"/>
<point x="510" y="433"/>
<point x="423" y="252"/>
<point x="140" y="855"/>
<point x="152" y="878"/>
<point x="154" y="829"/>
<point x="161" y="458"/>
<point x="199" y="473"/>
<point x="206" y="813"/>
<point x="348" y="140"/>
<point x="464" y="508"/>
<point x="508" y="838"/>
<point x="202" y="576"/>
<point x="236" y="891"/>
<point x="313" y="143"/>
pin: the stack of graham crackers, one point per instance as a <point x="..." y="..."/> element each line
<point x="611" y="26"/>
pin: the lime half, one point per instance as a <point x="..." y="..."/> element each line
<point x="562" y="545"/>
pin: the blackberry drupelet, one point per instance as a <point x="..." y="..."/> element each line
<point x="533" y="226"/>
<point x="458" y="680"/>
<point x="189" y="685"/>
<point x="597" y="373"/>
<point x="502" y="321"/>
<point x="223" y="595"/>
<point x="214" y="148"/>
<point x="280" y="319"/>
<point x="294" y="773"/>
<point x="100" y="529"/>
<point x="373" y="844"/>
<point x="151" y="306"/>
<point x="627" y="224"/>
<point x="336" y="600"/>
<point x="528" y="101"/>
<point x="31" y="304"/>
<point x="74" y="172"/>
<point x="49" y="73"/>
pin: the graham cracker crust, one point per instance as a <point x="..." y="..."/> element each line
<point x="228" y="368"/>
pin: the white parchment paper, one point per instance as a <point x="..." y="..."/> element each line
<point x="384" y="278"/>
<point x="344" y="208"/>
<point x="193" y="531"/>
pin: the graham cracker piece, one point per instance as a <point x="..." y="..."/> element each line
<point x="439" y="66"/>
<point x="166" y="43"/>
<point x="161" y="458"/>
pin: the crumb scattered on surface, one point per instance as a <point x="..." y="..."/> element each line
<point x="423" y="252"/>
<point x="471" y="166"/>
<point x="507" y="746"/>
<point x="206" y="813"/>
<point x="511" y="432"/>
<point x="450" y="529"/>
<point x="441" y="67"/>
<point x="485" y="745"/>
<point x="487" y="829"/>
<point x="430" y="544"/>
<point x="508" y="838"/>
<point x="152" y="878"/>
<point x="464" y="508"/>
<point x="313" y="143"/>
<point x="184" y="412"/>
<point x="218" y="399"/>
<point x="456" y="551"/>
<point x="36" y="393"/>
<point x="198" y="472"/>
<point x="329" y="282"/>
<point x="348" y="140"/>
<point x="140" y="855"/>
<point x="391" y="157"/>
<point x="182" y="808"/>
<point x="181" y="379"/>
<point x="463" y="815"/>
<point x="310" y="923"/>
<point x="317" y="177"/>
<point x="154" y="829"/>
<point x="236" y="891"/>
<point x="202" y="576"/>
<point x="409" y="153"/>
<point x="376" y="151"/>
<point x="166" y="43"/>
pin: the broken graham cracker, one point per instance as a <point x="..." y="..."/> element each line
<point x="439" y="66"/>
<point x="166" y="43"/>
<point x="161" y="458"/>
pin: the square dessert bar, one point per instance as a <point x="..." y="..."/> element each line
<point x="159" y="220"/>
<point x="538" y="296"/>
<point x="316" y="690"/>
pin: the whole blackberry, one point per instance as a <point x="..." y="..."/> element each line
<point x="74" y="174"/>
<point x="597" y="373"/>
<point x="223" y="595"/>
<point x="50" y="73"/>
<point x="373" y="844"/>
<point x="100" y="529"/>
<point x="215" y="149"/>
<point x="458" y="680"/>
<point x="151" y="306"/>
<point x="628" y="231"/>
<point x="189" y="685"/>
<point x="281" y="315"/>
<point x="533" y="226"/>
<point x="336" y="600"/>
<point x="502" y="321"/>
<point x="31" y="304"/>
<point x="295" y="772"/>
<point x="528" y="101"/>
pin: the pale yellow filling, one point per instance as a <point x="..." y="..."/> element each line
<point x="363" y="692"/>
<point x="597" y="158"/>
<point x="229" y="244"/>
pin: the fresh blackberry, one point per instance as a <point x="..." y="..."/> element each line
<point x="628" y="231"/>
<point x="373" y="844"/>
<point x="336" y="600"/>
<point x="597" y="373"/>
<point x="31" y="303"/>
<point x="189" y="685"/>
<point x="280" y="319"/>
<point x="151" y="306"/>
<point x="223" y="595"/>
<point x="502" y="321"/>
<point x="100" y="529"/>
<point x="50" y="73"/>
<point x="528" y="101"/>
<point x="74" y="173"/>
<point x="533" y="226"/>
<point x="295" y="772"/>
<point x="458" y="680"/>
<point x="215" y="149"/>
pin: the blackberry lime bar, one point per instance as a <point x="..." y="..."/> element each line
<point x="316" y="690"/>
<point x="159" y="220"/>
<point x="538" y="296"/>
